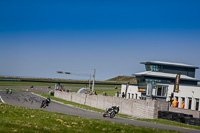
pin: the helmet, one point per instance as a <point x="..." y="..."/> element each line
<point x="48" y="99"/>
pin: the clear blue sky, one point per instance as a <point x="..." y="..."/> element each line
<point x="38" y="38"/>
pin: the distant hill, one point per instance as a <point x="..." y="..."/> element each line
<point x="123" y="79"/>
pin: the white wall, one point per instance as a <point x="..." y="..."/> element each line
<point x="132" y="89"/>
<point x="186" y="92"/>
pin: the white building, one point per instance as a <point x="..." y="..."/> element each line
<point x="158" y="82"/>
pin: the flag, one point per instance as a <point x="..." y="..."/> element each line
<point x="126" y="89"/>
<point x="176" y="83"/>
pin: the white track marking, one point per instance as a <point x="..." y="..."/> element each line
<point x="2" y="99"/>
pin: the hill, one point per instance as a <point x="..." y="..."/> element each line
<point x="123" y="79"/>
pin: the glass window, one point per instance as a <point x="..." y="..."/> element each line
<point x="155" y="68"/>
<point x="197" y="104"/>
<point x="164" y="91"/>
<point x="151" y="67"/>
<point x="183" y="99"/>
<point x="190" y="103"/>
<point x="148" y="68"/>
<point x="149" y="89"/>
<point x="159" y="91"/>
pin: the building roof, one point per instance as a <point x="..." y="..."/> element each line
<point x="170" y="64"/>
<point x="164" y="75"/>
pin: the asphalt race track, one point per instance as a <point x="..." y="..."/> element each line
<point x="29" y="100"/>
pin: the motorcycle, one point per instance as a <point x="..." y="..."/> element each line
<point x="45" y="103"/>
<point x="7" y="90"/>
<point x="111" y="111"/>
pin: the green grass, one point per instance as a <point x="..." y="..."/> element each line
<point x="17" y="83"/>
<point x="171" y="123"/>
<point x="14" y="90"/>
<point x="124" y="79"/>
<point x="157" y="121"/>
<point x="20" y="83"/>
<point x="20" y="119"/>
<point x="110" y="92"/>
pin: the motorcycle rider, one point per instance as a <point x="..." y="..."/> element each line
<point x="111" y="111"/>
<point x="47" y="101"/>
<point x="116" y="108"/>
<point x="7" y="90"/>
<point x="10" y="91"/>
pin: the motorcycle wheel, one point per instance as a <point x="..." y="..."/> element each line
<point x="41" y="105"/>
<point x="45" y="105"/>
<point x="104" y="115"/>
<point x="112" y="114"/>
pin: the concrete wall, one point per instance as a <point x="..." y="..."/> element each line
<point x="162" y="105"/>
<point x="134" y="107"/>
<point x="65" y="96"/>
<point x="196" y="114"/>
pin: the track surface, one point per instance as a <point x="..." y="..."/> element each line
<point x="26" y="99"/>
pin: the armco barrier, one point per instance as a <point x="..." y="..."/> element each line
<point x="134" y="107"/>
<point x="179" y="117"/>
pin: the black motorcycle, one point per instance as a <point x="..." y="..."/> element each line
<point x="45" y="103"/>
<point x="111" y="111"/>
<point x="7" y="91"/>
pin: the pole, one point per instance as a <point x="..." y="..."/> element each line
<point x="89" y="81"/>
<point x="93" y="80"/>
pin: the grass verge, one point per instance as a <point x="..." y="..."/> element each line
<point x="16" y="90"/>
<point x="171" y="123"/>
<point x="20" y="119"/>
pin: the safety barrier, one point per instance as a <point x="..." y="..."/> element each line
<point x="179" y="117"/>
